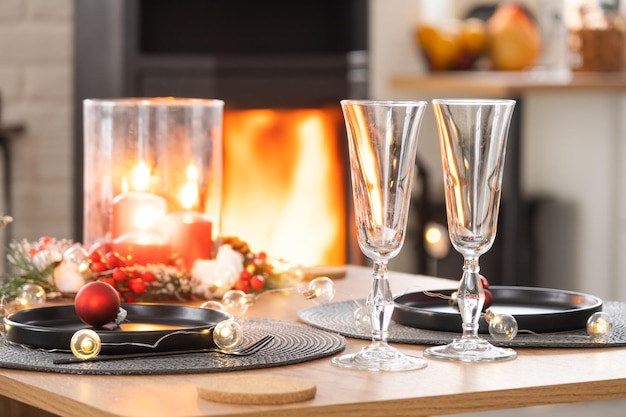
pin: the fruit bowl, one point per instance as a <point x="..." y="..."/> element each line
<point x="509" y="39"/>
<point x="454" y="46"/>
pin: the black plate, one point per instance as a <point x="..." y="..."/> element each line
<point x="536" y="309"/>
<point x="148" y="327"/>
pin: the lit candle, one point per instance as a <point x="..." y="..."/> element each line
<point x="137" y="210"/>
<point x="142" y="248"/>
<point x="188" y="233"/>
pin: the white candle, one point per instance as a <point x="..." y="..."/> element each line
<point x="136" y="212"/>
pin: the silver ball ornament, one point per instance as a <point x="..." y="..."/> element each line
<point x="600" y="327"/>
<point x="30" y="295"/>
<point x="236" y="302"/>
<point x="85" y="344"/>
<point x="502" y="327"/>
<point x="362" y="319"/>
<point x="78" y="257"/>
<point x="321" y="290"/>
<point x="227" y="334"/>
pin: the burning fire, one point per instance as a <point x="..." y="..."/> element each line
<point x="284" y="183"/>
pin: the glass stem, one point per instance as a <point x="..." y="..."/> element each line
<point x="470" y="296"/>
<point x="380" y="303"/>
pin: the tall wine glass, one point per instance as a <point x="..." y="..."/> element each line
<point x="382" y="142"/>
<point x="472" y="139"/>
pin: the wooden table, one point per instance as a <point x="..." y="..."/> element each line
<point x="536" y="377"/>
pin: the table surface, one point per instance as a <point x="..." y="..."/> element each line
<point x="536" y="377"/>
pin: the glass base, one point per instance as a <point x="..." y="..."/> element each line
<point x="470" y="349"/>
<point x="379" y="357"/>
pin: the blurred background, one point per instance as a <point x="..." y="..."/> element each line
<point x="572" y="234"/>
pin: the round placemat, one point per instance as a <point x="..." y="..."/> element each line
<point x="292" y="343"/>
<point x="337" y="317"/>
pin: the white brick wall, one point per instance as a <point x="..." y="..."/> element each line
<point x="36" y="84"/>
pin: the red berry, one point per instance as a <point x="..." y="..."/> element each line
<point x="148" y="276"/>
<point x="262" y="256"/>
<point x="97" y="303"/>
<point x="488" y="300"/>
<point x="98" y="267"/>
<point x="96" y="256"/>
<point x="113" y="260"/>
<point x="242" y="285"/>
<point x="137" y="285"/>
<point x="257" y="282"/>
<point x="245" y="275"/>
<point x="119" y="274"/>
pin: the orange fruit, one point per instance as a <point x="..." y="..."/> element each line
<point x="473" y="36"/>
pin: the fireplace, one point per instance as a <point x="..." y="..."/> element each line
<point x="281" y="67"/>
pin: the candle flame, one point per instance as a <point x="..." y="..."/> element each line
<point x="140" y="177"/>
<point x="189" y="192"/>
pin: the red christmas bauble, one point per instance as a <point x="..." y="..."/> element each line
<point x="488" y="300"/>
<point x="97" y="303"/>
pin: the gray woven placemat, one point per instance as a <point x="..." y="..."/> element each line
<point x="337" y="317"/>
<point x="292" y="343"/>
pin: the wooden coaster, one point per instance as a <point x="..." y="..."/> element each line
<point x="256" y="389"/>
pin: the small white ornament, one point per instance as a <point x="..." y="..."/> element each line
<point x="67" y="279"/>
<point x="212" y="279"/>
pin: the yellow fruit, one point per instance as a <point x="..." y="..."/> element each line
<point x="444" y="51"/>
<point x="515" y="40"/>
<point x="424" y="34"/>
<point x="441" y="47"/>
<point x="473" y="36"/>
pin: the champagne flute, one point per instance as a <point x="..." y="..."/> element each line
<point x="382" y="142"/>
<point x="472" y="138"/>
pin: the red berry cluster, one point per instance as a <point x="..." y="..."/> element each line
<point x="108" y="266"/>
<point x="255" y="274"/>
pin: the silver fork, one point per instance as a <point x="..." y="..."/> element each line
<point x="246" y="350"/>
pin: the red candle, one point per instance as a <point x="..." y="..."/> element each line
<point x="188" y="235"/>
<point x="136" y="212"/>
<point x="142" y="248"/>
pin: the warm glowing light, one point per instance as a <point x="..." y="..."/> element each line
<point x="140" y="177"/>
<point x="135" y="212"/>
<point x="433" y="235"/>
<point x="190" y="192"/>
<point x="284" y="183"/>
<point x="436" y="239"/>
<point x="144" y="217"/>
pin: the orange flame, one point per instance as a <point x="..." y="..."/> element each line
<point x="189" y="195"/>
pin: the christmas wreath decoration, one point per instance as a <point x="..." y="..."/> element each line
<point x="61" y="266"/>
